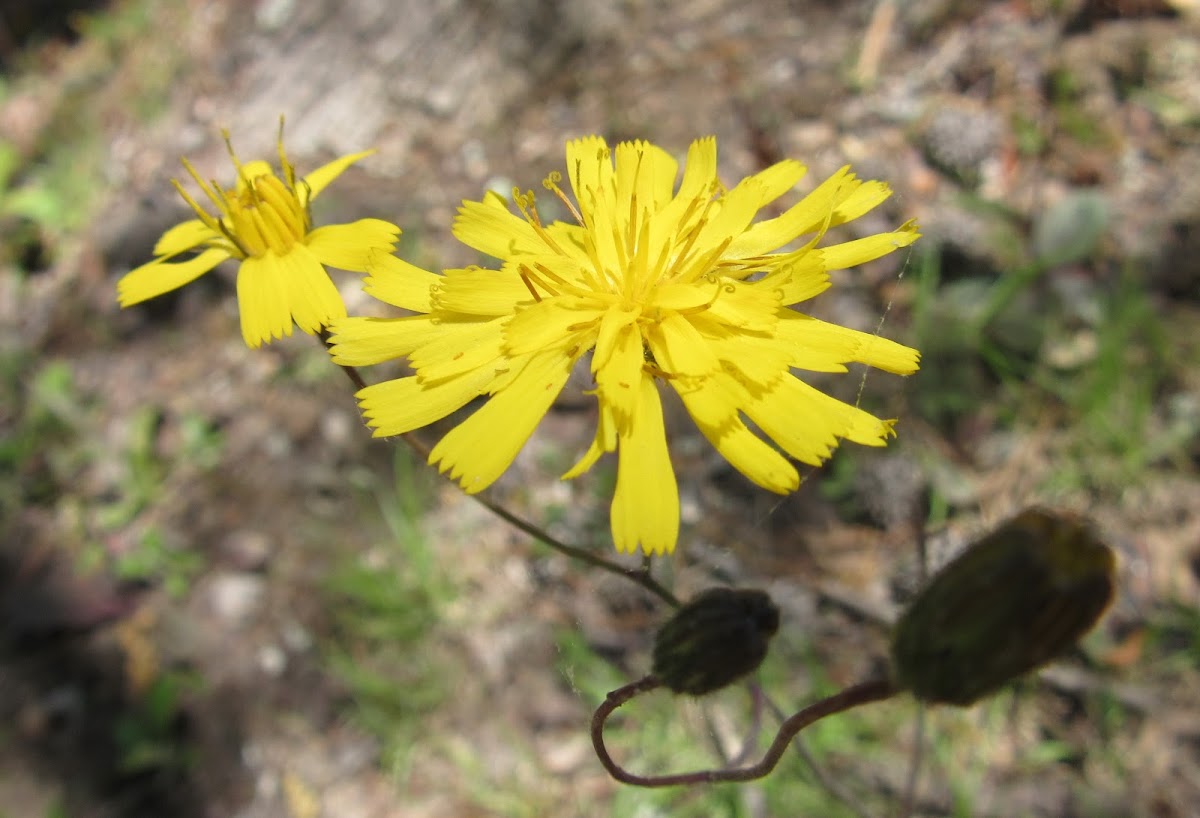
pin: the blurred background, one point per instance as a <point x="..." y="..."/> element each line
<point x="220" y="597"/>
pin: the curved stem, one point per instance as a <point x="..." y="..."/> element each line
<point x="640" y="575"/>
<point x="862" y="693"/>
<point x="824" y="779"/>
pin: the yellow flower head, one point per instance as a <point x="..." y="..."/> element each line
<point x="264" y="222"/>
<point x="657" y="284"/>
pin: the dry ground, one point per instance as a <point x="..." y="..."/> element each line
<point x="221" y="598"/>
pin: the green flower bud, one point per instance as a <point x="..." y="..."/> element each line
<point x="715" y="639"/>
<point x="1009" y="603"/>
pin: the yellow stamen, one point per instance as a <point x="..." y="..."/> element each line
<point x="210" y="192"/>
<point x="232" y="155"/>
<point x="526" y="279"/>
<point x="289" y="172"/>
<point x="704" y="264"/>
<point x="527" y="204"/>
<point x="551" y="184"/>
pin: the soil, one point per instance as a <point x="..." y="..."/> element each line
<point x="205" y="683"/>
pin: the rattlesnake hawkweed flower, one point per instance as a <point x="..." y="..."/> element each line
<point x="657" y="285"/>
<point x="264" y="222"/>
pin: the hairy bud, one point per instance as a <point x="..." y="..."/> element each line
<point x="715" y="639"/>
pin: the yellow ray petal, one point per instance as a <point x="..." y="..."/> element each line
<point x="396" y="282"/>
<point x="779" y="179"/>
<point x="867" y="197"/>
<point x="612" y="325"/>
<point x="459" y="347"/>
<point x="679" y="348"/>
<point x="799" y="279"/>
<point x="857" y="425"/>
<point x="553" y="274"/>
<point x="604" y="441"/>
<point x="476" y="291"/>
<point x="479" y="449"/>
<point x="715" y="414"/>
<point x="800" y="425"/>
<point x="250" y="171"/>
<point x="496" y="232"/>
<point x="660" y="170"/>
<point x="367" y="341"/>
<point x="158" y="277"/>
<point x="315" y="301"/>
<point x="348" y="246"/>
<point x="263" y="300"/>
<point x="590" y="170"/>
<point x="689" y="298"/>
<point x="646" y="172"/>
<point x="571" y="239"/>
<point x="738" y="209"/>
<point x="745" y="306"/>
<point x="701" y="167"/>
<point x="317" y="181"/>
<point x="814" y="341"/>
<point x="814" y="345"/>
<point x="860" y="251"/>
<point x="605" y="246"/>
<point x="619" y="372"/>
<point x="803" y="217"/>
<point x="551" y="323"/>
<point x="756" y="361"/>
<point x="645" y="507"/>
<point x="185" y="236"/>
<point x="699" y="183"/>
<point x="401" y="405"/>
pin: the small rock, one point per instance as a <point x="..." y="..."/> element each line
<point x="338" y="427"/>
<point x="235" y="598"/>
<point x="272" y="659"/>
<point x="247" y="550"/>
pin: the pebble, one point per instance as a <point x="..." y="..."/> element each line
<point x="272" y="660"/>
<point x="248" y="550"/>
<point x="235" y="598"/>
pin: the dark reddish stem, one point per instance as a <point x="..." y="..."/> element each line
<point x="853" y="696"/>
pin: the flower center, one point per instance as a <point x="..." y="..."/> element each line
<point x="264" y="215"/>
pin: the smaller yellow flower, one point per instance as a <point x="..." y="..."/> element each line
<point x="265" y="223"/>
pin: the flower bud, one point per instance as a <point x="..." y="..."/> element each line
<point x="715" y="639"/>
<point x="1009" y="603"/>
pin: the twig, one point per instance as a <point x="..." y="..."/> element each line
<point x="853" y="696"/>
<point x="874" y="42"/>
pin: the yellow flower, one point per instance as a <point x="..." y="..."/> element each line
<point x="658" y="285"/>
<point x="264" y="222"/>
